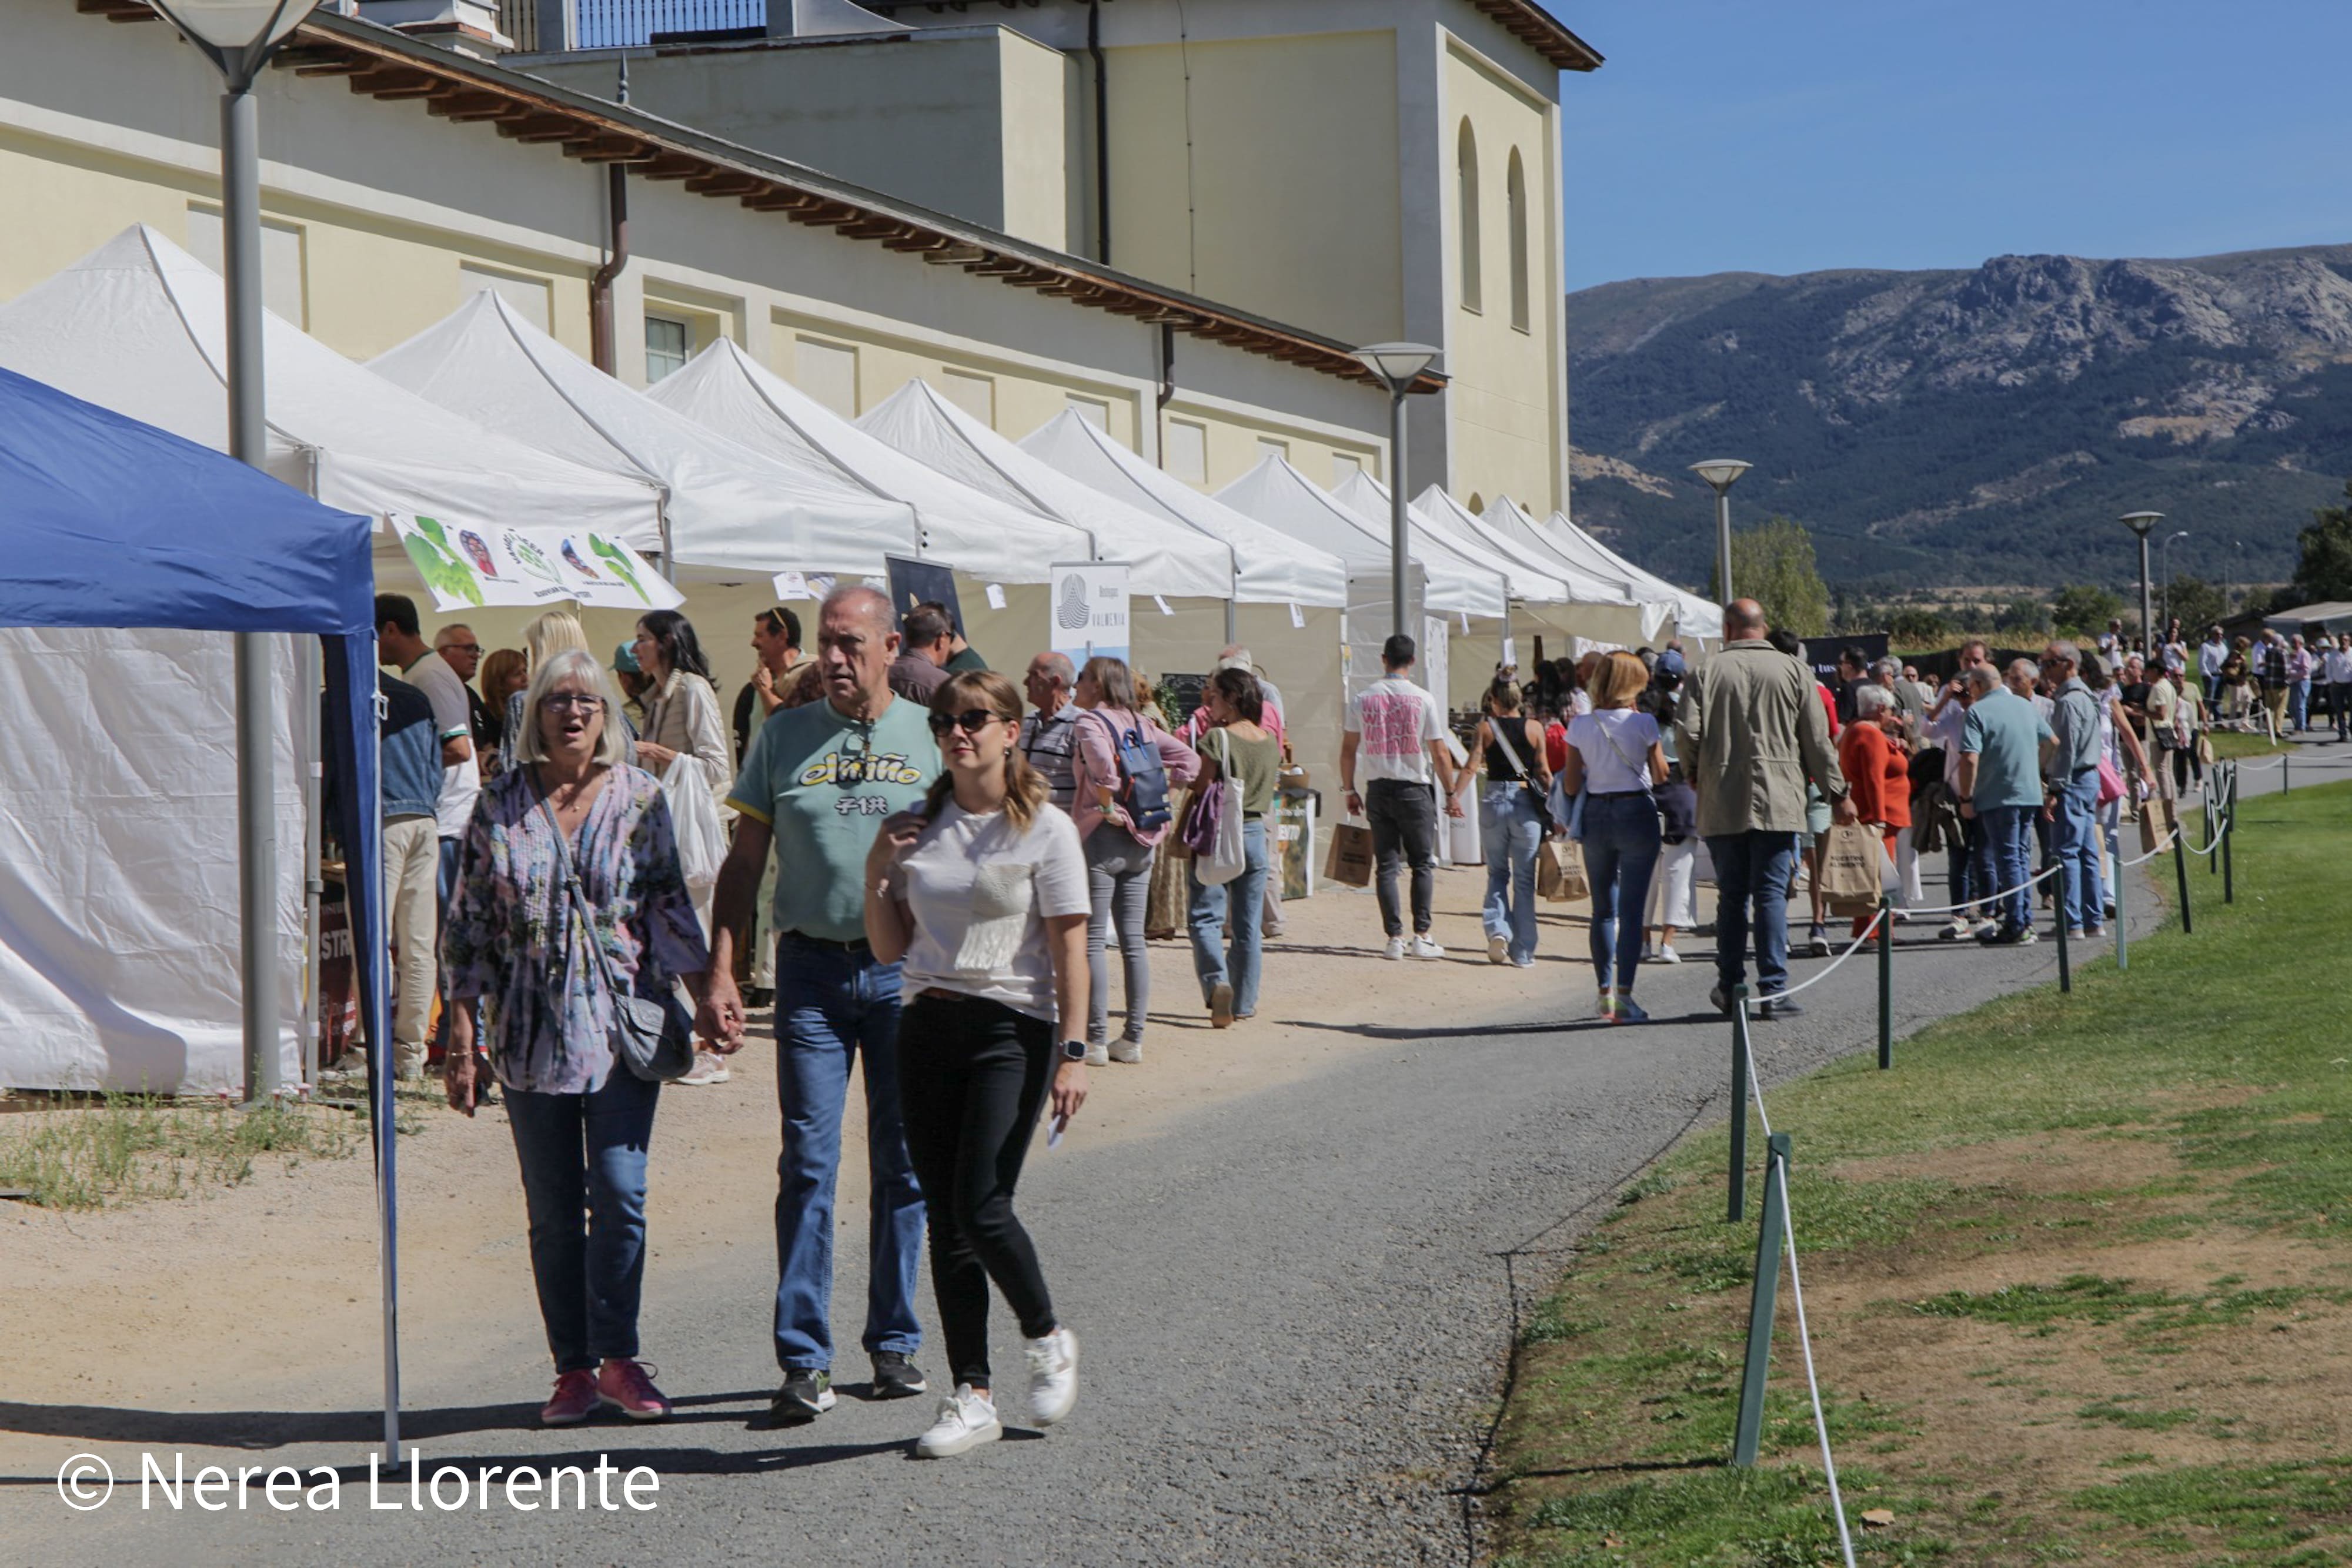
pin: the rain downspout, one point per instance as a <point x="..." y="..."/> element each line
<point x="1102" y="133"/>
<point x="603" y="349"/>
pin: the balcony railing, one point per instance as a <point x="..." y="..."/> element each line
<point x="611" y="24"/>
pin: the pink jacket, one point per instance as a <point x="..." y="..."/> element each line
<point x="1093" y="762"/>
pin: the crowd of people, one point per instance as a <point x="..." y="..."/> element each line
<point x="926" y="872"/>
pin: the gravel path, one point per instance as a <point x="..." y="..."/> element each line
<point x="1295" y="1311"/>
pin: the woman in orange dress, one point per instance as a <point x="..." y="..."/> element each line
<point x="1871" y="755"/>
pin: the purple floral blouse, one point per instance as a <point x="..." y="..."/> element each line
<point x="512" y="933"/>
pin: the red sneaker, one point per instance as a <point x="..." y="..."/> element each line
<point x="627" y="1387"/>
<point x="575" y="1399"/>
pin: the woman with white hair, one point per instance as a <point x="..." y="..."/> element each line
<point x="1871" y="755"/>
<point x="568" y="896"/>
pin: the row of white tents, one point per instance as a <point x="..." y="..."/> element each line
<point x="725" y="472"/>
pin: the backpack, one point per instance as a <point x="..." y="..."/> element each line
<point x="1142" y="789"/>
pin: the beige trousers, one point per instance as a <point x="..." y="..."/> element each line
<point x="411" y="866"/>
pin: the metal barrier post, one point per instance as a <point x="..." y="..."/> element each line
<point x="2123" y="910"/>
<point x="1767" y="1296"/>
<point x="1739" y="1069"/>
<point x="2286" y="769"/>
<point x="2229" y="839"/>
<point x="1885" y="982"/>
<point x="2065" y="959"/>
<point x="2180" y="871"/>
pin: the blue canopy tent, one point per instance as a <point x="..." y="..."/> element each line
<point x="107" y="522"/>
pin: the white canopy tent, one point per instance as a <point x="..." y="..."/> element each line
<point x="1583" y="587"/>
<point x="1279" y="496"/>
<point x="1660" y="601"/>
<point x="124" y="736"/>
<point x="1161" y="557"/>
<point x="726" y="508"/>
<point x="1269" y="566"/>
<point x="1368" y="500"/>
<point x="725" y="390"/>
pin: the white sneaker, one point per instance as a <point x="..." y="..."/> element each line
<point x="1096" y="1055"/>
<point x="964" y="1423"/>
<point x="1668" y="956"/>
<point x="1422" y="947"/>
<point x="706" y="1069"/>
<point x="1129" y="1051"/>
<point x="1985" y="928"/>
<point x="1053" y="1375"/>
<point x="1499" y="949"/>
<point x="1396" y="947"/>
<point x="1959" y="930"/>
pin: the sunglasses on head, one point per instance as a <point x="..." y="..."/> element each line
<point x="971" y="721"/>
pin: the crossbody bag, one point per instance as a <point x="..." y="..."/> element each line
<point x="647" y="1036"/>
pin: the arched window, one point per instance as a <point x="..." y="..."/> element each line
<point x="1467" y="159"/>
<point x="1514" y="197"/>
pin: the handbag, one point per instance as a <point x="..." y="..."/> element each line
<point x="1226" y="856"/>
<point x="2111" y="784"/>
<point x="1525" y="780"/>
<point x="647" y="1036"/>
<point x="694" y="821"/>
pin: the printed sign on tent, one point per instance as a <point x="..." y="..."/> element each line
<point x="1089" y="610"/>
<point x="468" y="565"/>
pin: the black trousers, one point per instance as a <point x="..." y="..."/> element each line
<point x="1404" y="820"/>
<point x="972" y="1076"/>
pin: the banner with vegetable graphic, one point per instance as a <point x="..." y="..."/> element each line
<point x="467" y="565"/>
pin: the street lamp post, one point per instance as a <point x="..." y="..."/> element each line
<point x="2143" y="523"/>
<point x="1396" y="366"/>
<point x="1720" y="473"/>
<point x="2164" y="558"/>
<point x="238" y="36"/>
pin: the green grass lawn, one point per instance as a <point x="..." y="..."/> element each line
<point x="2078" y="1274"/>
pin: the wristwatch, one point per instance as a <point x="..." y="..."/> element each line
<point x="1074" y="1051"/>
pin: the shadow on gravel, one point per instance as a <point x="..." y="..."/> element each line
<point x="278" y="1429"/>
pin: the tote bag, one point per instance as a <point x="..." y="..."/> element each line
<point x="1223" y="856"/>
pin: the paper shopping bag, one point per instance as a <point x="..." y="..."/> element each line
<point x="2156" y="823"/>
<point x="1351" y="855"/>
<point x="1851" y="865"/>
<point x="1559" y="873"/>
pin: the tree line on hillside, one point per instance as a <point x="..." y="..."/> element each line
<point x="1774" y="563"/>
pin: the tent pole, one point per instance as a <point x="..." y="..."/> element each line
<point x="249" y="435"/>
<point x="306" y="688"/>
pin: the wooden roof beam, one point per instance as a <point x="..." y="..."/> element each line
<point x="395" y="82"/>
<point x="613" y="150"/>
<point x="672" y="166"/>
<point x="539" y="127"/>
<point x="465" y="105"/>
<point x="727" y="183"/>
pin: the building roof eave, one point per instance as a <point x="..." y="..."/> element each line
<point x="385" y="64"/>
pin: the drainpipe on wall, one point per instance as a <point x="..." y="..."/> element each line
<point x="603" y="350"/>
<point x="1102" y="133"/>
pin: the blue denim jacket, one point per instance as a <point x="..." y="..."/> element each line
<point x="411" y="750"/>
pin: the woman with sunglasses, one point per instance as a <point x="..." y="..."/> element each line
<point x="981" y="895"/>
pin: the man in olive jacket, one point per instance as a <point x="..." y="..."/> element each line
<point x="1753" y="734"/>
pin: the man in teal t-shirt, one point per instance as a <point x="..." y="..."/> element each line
<point x="2003" y="745"/>
<point x="818" y="784"/>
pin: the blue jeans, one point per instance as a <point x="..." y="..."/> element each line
<point x="1622" y="843"/>
<point x="2004" y="860"/>
<point x="1511" y="826"/>
<point x="2074" y="842"/>
<point x="831" y="1005"/>
<point x="1751" y="868"/>
<point x="1236" y="964"/>
<point x="584" y="1186"/>
<point x="2298" y="704"/>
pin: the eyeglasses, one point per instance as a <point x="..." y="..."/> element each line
<point x="971" y="721"/>
<point x="461" y="647"/>
<point x="578" y="702"/>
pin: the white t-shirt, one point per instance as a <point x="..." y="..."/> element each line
<point x="1397" y="720"/>
<point x="1613" y="742"/>
<point x="453" y="718"/>
<point x="1946" y="731"/>
<point x="2339" y="666"/>
<point x="980" y="893"/>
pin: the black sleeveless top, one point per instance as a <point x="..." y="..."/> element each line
<point x="1500" y="764"/>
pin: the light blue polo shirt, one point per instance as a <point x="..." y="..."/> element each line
<point x="2005" y="735"/>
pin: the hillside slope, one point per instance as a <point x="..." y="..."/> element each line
<point x="1981" y="426"/>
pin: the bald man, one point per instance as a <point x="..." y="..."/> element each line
<point x="818" y="782"/>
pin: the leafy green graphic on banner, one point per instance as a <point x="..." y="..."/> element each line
<point x="428" y="550"/>
<point x="622" y="566"/>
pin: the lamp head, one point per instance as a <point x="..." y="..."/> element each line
<point x="238" y="34"/>
<point x="1396" y="364"/>
<point x="2141" y="523"/>
<point x="1719" y="472"/>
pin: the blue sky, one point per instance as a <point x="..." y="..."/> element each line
<point x="1791" y="135"/>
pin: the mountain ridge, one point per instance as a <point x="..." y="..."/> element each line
<point x="1973" y="425"/>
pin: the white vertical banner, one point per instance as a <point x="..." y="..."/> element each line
<point x="1089" y="609"/>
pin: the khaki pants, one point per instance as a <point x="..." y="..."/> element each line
<point x="411" y="863"/>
